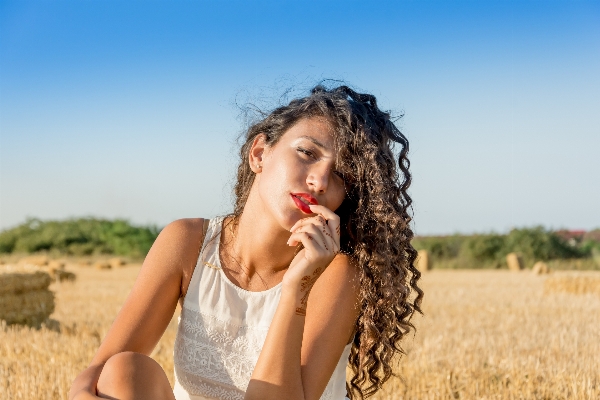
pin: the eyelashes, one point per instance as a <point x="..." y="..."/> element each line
<point x="307" y="152"/>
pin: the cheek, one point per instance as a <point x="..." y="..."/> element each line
<point x="275" y="179"/>
<point x="284" y="171"/>
<point x="337" y="198"/>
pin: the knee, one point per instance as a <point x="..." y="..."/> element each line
<point x="123" y="372"/>
<point x="129" y="363"/>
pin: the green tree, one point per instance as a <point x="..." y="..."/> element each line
<point x="81" y="236"/>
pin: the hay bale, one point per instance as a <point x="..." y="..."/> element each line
<point x="24" y="295"/>
<point x="573" y="284"/>
<point x="423" y="261"/>
<point x="18" y="280"/>
<point x="540" y="268"/>
<point x="60" y="275"/>
<point x="64" y="276"/>
<point x="30" y="308"/>
<point x="37" y="259"/>
<point x="514" y="261"/>
<point x="116" y="262"/>
<point x="56" y="269"/>
<point x="102" y="265"/>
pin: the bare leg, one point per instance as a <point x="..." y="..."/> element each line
<point x="132" y="376"/>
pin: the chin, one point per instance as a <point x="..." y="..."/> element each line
<point x="284" y="215"/>
<point x="284" y="210"/>
<point x="289" y="219"/>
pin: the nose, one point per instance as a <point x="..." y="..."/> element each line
<point x="318" y="178"/>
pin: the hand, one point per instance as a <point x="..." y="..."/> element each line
<point x="83" y="395"/>
<point x="84" y="385"/>
<point x="320" y="236"/>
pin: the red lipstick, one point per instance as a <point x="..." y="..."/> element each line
<point x="301" y="200"/>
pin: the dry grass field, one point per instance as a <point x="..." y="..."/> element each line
<point x="485" y="335"/>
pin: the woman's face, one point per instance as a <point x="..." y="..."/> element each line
<point x="299" y="169"/>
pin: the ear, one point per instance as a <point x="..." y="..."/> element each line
<point x="257" y="151"/>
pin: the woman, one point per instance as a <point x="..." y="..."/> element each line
<point x="311" y="272"/>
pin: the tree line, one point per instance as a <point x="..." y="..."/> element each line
<point x="79" y="237"/>
<point x="94" y="236"/>
<point x="490" y="250"/>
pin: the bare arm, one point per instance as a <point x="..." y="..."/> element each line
<point x="301" y="352"/>
<point x="151" y="303"/>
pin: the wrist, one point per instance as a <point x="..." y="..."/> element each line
<point x="296" y="295"/>
<point x="293" y="299"/>
<point x="291" y="293"/>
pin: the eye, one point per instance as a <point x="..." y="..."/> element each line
<point x="307" y="152"/>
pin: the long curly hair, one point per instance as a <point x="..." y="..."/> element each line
<point x="374" y="216"/>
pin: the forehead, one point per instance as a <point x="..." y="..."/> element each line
<point x="317" y="128"/>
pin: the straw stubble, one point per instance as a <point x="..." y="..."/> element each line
<point x="485" y="335"/>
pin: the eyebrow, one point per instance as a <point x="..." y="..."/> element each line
<point x="315" y="141"/>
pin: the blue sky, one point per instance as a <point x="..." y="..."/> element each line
<point x="128" y="109"/>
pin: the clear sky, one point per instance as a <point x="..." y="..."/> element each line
<point x="128" y="108"/>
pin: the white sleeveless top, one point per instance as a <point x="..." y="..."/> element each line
<point x="222" y="329"/>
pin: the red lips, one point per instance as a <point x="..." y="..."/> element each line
<point x="302" y="204"/>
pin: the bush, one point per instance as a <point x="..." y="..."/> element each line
<point x="440" y="247"/>
<point x="539" y="244"/>
<point x="82" y="236"/>
<point x="490" y="250"/>
<point x="484" y="248"/>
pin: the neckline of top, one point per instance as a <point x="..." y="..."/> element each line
<point x="219" y="222"/>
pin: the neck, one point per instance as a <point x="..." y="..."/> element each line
<point x="259" y="243"/>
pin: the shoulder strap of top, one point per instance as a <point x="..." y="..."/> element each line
<point x="188" y="270"/>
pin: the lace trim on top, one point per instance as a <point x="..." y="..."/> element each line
<point x="212" y="362"/>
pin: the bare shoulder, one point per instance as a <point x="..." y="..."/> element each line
<point x="181" y="234"/>
<point x="178" y="243"/>
<point x="184" y="227"/>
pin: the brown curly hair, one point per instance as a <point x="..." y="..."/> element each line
<point x="374" y="219"/>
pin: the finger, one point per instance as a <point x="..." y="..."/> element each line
<point x="321" y="224"/>
<point x="333" y="222"/>
<point x="299" y="223"/>
<point x="316" y="232"/>
<point x="310" y="242"/>
<point x="324" y="211"/>
<point x="330" y="240"/>
<point x="328" y="235"/>
<point x="318" y="221"/>
<point x="308" y="220"/>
